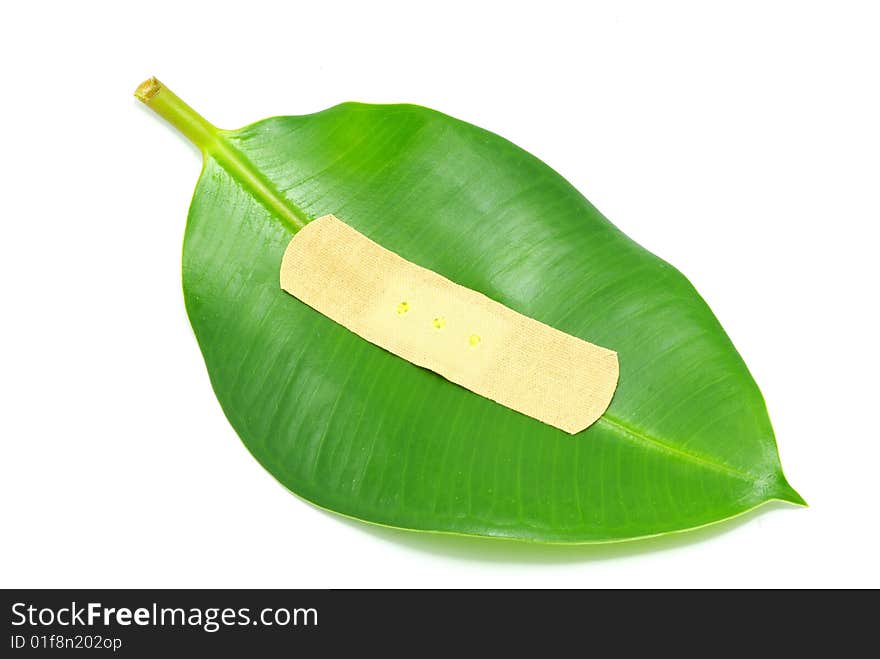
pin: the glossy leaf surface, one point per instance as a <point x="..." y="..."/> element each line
<point x="352" y="428"/>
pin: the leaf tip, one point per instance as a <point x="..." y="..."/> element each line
<point x="147" y="89"/>
<point x="786" y="492"/>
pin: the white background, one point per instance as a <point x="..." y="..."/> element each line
<point x="740" y="141"/>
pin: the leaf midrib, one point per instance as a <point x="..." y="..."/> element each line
<point x="242" y="170"/>
<point x="623" y="428"/>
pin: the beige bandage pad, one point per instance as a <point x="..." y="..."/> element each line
<point x="454" y="331"/>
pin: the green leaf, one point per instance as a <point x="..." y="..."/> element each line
<point x="354" y="429"/>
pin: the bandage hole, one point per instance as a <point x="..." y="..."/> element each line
<point x="474" y="340"/>
<point x="403" y="308"/>
<point x="439" y="322"/>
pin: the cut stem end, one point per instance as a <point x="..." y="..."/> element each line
<point x="147" y="90"/>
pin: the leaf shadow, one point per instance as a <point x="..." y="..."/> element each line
<point x="500" y="550"/>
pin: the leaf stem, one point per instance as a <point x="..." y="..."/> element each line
<point x="170" y="107"/>
<point x="213" y="142"/>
